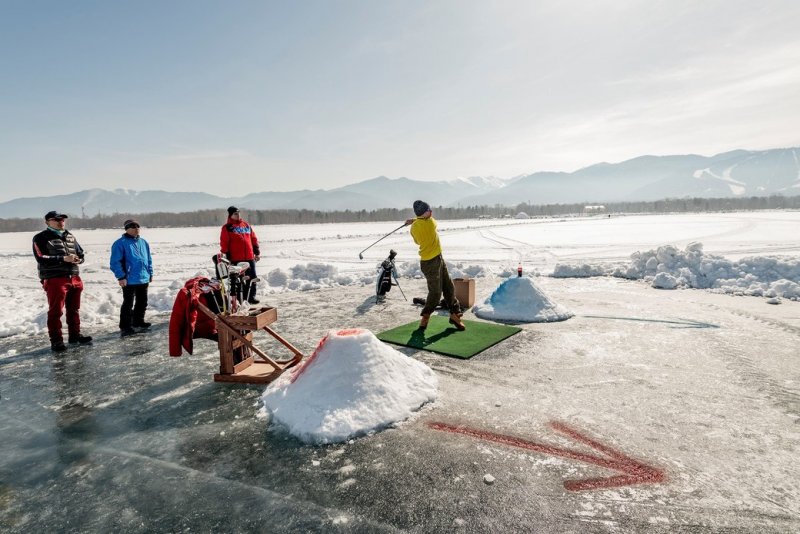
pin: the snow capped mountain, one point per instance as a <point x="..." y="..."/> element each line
<point x="731" y="174"/>
<point x="481" y="182"/>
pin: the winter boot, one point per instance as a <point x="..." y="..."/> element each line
<point x="77" y="338"/>
<point x="251" y="294"/>
<point x="57" y="346"/>
<point x="423" y="323"/>
<point x="455" y="320"/>
<point x="143" y="325"/>
<point x="125" y="332"/>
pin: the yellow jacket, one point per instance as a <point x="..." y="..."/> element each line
<point x="424" y="233"/>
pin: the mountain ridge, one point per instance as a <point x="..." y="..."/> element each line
<point x="733" y="173"/>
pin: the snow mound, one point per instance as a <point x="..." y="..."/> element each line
<point x="668" y="267"/>
<point x="314" y="272"/>
<point x="351" y="385"/>
<point x="665" y="281"/>
<point x="411" y="269"/>
<point x="27" y="308"/>
<point x="581" y="270"/>
<point x="518" y="299"/>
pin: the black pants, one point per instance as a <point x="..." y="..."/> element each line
<point x="251" y="273"/>
<point x="138" y="292"/>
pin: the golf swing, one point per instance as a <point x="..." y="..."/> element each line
<point x="361" y="254"/>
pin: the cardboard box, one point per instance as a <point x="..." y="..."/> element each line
<point x="465" y="291"/>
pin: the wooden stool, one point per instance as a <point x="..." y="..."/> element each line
<point x="239" y="359"/>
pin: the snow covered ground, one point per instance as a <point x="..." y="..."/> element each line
<point x="307" y="257"/>
<point x="703" y="387"/>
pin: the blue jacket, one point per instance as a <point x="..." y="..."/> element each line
<point x="130" y="258"/>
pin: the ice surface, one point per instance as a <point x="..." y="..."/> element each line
<point x="518" y="299"/>
<point x="352" y="384"/>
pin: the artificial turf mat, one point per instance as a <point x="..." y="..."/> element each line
<point x="442" y="337"/>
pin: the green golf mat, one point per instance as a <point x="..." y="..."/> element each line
<point x="443" y="338"/>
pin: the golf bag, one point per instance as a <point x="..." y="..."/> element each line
<point x="238" y="282"/>
<point x="386" y="272"/>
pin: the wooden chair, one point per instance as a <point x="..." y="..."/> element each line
<point x="239" y="359"/>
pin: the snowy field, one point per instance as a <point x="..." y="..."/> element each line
<point x="307" y="257"/>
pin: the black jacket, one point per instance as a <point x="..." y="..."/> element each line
<point x="49" y="249"/>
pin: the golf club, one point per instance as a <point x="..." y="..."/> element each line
<point x="361" y="254"/>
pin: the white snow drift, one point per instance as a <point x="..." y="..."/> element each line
<point x="351" y="385"/>
<point x="667" y="267"/>
<point x="518" y="299"/>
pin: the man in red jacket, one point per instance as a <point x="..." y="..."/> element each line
<point x="239" y="243"/>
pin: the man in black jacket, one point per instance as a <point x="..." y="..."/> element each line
<point x="58" y="255"/>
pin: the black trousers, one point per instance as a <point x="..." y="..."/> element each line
<point x="251" y="273"/>
<point x="133" y="314"/>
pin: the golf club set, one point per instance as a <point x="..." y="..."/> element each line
<point x="386" y="271"/>
<point x="234" y="294"/>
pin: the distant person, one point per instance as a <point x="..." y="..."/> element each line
<point x="58" y="255"/>
<point x="132" y="264"/>
<point x="423" y="231"/>
<point x="238" y="242"/>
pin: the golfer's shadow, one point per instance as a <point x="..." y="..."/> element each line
<point x="418" y="338"/>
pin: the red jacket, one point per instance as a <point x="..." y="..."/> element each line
<point x="187" y="321"/>
<point x="238" y="241"/>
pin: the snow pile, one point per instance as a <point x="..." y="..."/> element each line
<point x="667" y="267"/>
<point x="28" y="309"/>
<point x="351" y="385"/>
<point x="315" y="272"/>
<point x="307" y="277"/>
<point x="518" y="299"/>
<point x="579" y="270"/>
<point x="411" y="269"/>
<point x="277" y="278"/>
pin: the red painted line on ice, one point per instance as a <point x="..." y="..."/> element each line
<point x="634" y="472"/>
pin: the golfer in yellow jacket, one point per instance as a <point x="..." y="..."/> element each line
<point x="423" y="230"/>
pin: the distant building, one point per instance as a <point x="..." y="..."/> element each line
<point x="592" y="210"/>
<point x="522" y="215"/>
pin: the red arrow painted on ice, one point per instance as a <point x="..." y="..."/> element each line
<point x="633" y="471"/>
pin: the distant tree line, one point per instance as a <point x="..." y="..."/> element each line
<point x="267" y="217"/>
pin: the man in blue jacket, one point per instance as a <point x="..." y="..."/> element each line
<point x="133" y="266"/>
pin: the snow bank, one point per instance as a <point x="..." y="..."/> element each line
<point x="518" y="299"/>
<point x="351" y="385"/>
<point x="305" y="277"/>
<point x="411" y="269"/>
<point x="667" y="267"/>
<point x="99" y="307"/>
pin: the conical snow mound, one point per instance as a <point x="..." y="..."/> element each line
<point x="518" y="299"/>
<point x="352" y="384"/>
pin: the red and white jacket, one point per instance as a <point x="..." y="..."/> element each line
<point x="238" y="241"/>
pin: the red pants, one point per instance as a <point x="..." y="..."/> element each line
<point x="61" y="291"/>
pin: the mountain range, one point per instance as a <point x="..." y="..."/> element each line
<point x="730" y="174"/>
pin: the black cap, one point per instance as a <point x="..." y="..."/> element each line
<point x="420" y="208"/>
<point x="232" y="210"/>
<point x="132" y="223"/>
<point x="55" y="215"/>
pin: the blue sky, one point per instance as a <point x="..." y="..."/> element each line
<point x="240" y="97"/>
